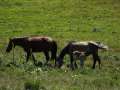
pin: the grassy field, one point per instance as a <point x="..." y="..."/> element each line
<point x="63" y="20"/>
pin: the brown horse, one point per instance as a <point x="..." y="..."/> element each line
<point x="86" y="47"/>
<point x="35" y="44"/>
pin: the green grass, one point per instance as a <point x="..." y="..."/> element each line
<point x="64" y="21"/>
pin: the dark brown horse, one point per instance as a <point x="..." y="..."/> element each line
<point x="88" y="47"/>
<point x="35" y="44"/>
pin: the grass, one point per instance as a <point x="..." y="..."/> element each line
<point x="64" y="21"/>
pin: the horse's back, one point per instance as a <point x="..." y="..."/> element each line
<point x="82" y="43"/>
<point x="79" y="46"/>
<point x="40" y="43"/>
<point x="39" y="38"/>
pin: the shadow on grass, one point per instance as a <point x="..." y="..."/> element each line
<point x="33" y="85"/>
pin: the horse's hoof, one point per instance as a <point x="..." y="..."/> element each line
<point x="40" y="64"/>
<point x="68" y="65"/>
<point x="93" y="67"/>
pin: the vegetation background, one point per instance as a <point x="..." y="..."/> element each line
<point x="63" y="20"/>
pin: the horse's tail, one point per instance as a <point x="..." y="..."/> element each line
<point x="102" y="46"/>
<point x="99" y="45"/>
<point x="54" y="50"/>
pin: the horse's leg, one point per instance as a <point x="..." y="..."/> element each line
<point x="94" y="64"/>
<point x="82" y="58"/>
<point x="71" y="62"/>
<point x="75" y="64"/>
<point x="99" y="62"/>
<point x="33" y="57"/>
<point x="55" y="62"/>
<point x="27" y="57"/>
<point x="47" y="57"/>
<point x="96" y="58"/>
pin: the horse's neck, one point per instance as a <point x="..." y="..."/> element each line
<point x="63" y="52"/>
<point x="20" y="43"/>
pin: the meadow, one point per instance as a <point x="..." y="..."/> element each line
<point x="64" y="21"/>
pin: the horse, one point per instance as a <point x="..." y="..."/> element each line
<point x="35" y="44"/>
<point x="88" y="47"/>
<point x="77" y="55"/>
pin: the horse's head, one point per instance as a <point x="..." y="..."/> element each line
<point x="10" y="45"/>
<point x="59" y="62"/>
